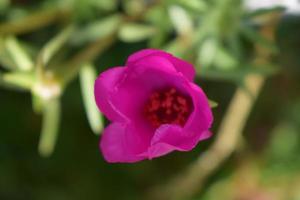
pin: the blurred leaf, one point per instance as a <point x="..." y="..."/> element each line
<point x="158" y="39"/>
<point x="32" y="21"/>
<point x="212" y="103"/>
<point x="131" y="32"/>
<point x="285" y="141"/>
<point x="237" y="74"/>
<point x="256" y="38"/>
<point x="225" y="60"/>
<point x="4" y="4"/>
<point x="5" y="58"/>
<point x="18" y="80"/>
<point x="104" y="4"/>
<point x="87" y="77"/>
<point x="265" y="11"/>
<point x="224" y="187"/>
<point x="159" y="17"/>
<point x="50" y="126"/>
<point x="177" y="47"/>
<point x="133" y="7"/>
<point x="199" y="6"/>
<point x="97" y="29"/>
<point x="18" y="54"/>
<point x="51" y="47"/>
<point x="37" y="103"/>
<point x="85" y="10"/>
<point x="235" y="46"/>
<point x="208" y="51"/>
<point x="181" y="20"/>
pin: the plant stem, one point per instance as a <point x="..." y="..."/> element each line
<point x="34" y="21"/>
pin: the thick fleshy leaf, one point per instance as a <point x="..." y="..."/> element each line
<point x="136" y="32"/>
<point x="18" y="54"/>
<point x="50" y="126"/>
<point x="87" y="77"/>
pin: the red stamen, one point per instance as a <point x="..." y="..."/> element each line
<point x="168" y="107"/>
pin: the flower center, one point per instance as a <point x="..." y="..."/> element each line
<point x="168" y="107"/>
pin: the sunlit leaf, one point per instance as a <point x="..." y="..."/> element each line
<point x="181" y="20"/>
<point x="135" y="32"/>
<point x="87" y="77"/>
<point x="97" y="29"/>
<point x="18" y="54"/>
<point x="6" y="61"/>
<point x="37" y="103"/>
<point x="50" y="126"/>
<point x="17" y="80"/>
<point x="208" y="51"/>
<point x="212" y="103"/>
<point x="196" y="5"/>
<point x="51" y="48"/>
<point x="224" y="59"/>
<point x="133" y="7"/>
<point x="30" y="22"/>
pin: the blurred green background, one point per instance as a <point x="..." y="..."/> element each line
<point x="51" y="51"/>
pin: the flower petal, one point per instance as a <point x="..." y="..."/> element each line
<point x="121" y="142"/>
<point x="104" y="86"/>
<point x="182" y="66"/>
<point x="138" y="85"/>
<point x="170" y="137"/>
<point x="201" y="118"/>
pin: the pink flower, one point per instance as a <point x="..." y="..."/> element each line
<point x="154" y="106"/>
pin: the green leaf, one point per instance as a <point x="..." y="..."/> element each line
<point x="181" y="20"/>
<point x="131" y="32"/>
<point x="133" y="7"/>
<point x="97" y="29"/>
<point x="285" y="141"/>
<point x="255" y="37"/>
<point x="199" y="6"/>
<point x="51" y="48"/>
<point x="212" y="103"/>
<point x="6" y="61"/>
<point x="208" y="51"/>
<point x="18" y="54"/>
<point x="265" y="11"/>
<point x="225" y="60"/>
<point x="4" y="4"/>
<point x="87" y="77"/>
<point x="50" y="126"/>
<point x="18" y="80"/>
<point x="37" y="103"/>
<point x="104" y="4"/>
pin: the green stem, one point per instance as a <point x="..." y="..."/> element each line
<point x="34" y="21"/>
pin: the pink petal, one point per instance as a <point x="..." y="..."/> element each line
<point x="130" y="94"/>
<point x="105" y="84"/>
<point x="120" y="142"/>
<point x="168" y="138"/>
<point x="182" y="66"/>
<point x="201" y="118"/>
